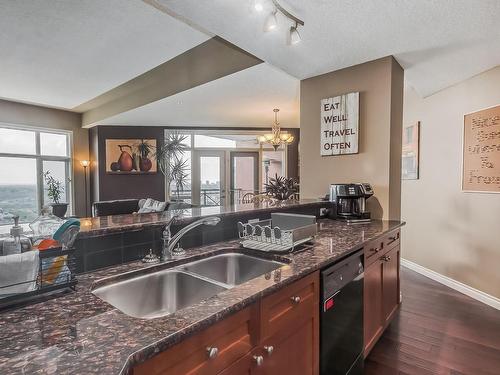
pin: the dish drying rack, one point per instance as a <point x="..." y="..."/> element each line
<point x="281" y="234"/>
<point x="56" y="273"/>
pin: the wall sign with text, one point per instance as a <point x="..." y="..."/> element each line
<point x="340" y="125"/>
<point x="481" y="154"/>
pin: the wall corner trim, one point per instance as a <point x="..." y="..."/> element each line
<point x="453" y="284"/>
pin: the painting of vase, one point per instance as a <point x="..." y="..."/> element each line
<point x="131" y="156"/>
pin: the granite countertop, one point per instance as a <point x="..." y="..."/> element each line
<point x="78" y="333"/>
<point x="96" y="226"/>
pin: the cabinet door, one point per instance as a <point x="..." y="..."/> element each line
<point x="390" y="284"/>
<point x="208" y="352"/>
<point x="244" y="366"/>
<point x="373" y="320"/>
<point x="295" y="354"/>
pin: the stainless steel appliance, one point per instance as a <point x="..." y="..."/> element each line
<point x="350" y="201"/>
<point x="341" y="317"/>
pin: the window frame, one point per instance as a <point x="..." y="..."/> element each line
<point x="39" y="159"/>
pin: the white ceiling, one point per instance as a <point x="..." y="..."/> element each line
<point x="438" y="42"/>
<point x="243" y="99"/>
<point x="63" y="53"/>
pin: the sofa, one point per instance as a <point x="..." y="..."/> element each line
<point x="129" y="206"/>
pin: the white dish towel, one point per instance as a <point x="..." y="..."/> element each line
<point x="20" y="269"/>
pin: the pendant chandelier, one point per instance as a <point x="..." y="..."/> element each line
<point x="276" y="138"/>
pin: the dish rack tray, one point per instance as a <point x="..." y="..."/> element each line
<point x="281" y="234"/>
<point x="56" y="273"/>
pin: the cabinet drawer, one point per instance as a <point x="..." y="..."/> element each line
<point x="377" y="248"/>
<point x="227" y="341"/>
<point x="392" y="239"/>
<point x="373" y="251"/>
<point x="284" y="308"/>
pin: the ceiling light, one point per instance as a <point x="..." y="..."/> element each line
<point x="271" y="22"/>
<point x="258" y="5"/>
<point x="276" y="138"/>
<point x="294" y="35"/>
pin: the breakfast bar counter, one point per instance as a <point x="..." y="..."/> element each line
<point x="78" y="333"/>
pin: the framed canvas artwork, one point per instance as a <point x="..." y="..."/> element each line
<point x="481" y="151"/>
<point x="131" y="156"/>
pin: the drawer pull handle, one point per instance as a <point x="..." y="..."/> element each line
<point x="269" y="349"/>
<point x="295" y="299"/>
<point x="212" y="352"/>
<point x="259" y="360"/>
<point x="375" y="250"/>
<point x="386" y="258"/>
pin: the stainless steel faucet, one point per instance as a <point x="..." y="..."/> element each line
<point x="169" y="250"/>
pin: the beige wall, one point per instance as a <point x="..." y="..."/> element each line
<point x="25" y="114"/>
<point x="453" y="233"/>
<point x="380" y="84"/>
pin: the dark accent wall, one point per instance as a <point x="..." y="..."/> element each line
<point x="112" y="186"/>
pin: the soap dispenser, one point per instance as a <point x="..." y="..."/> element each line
<point x="16" y="243"/>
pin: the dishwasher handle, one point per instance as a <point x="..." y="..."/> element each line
<point x="337" y="276"/>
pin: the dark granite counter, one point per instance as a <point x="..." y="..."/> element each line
<point x="98" y="226"/>
<point x="79" y="334"/>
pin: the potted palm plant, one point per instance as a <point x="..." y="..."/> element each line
<point x="144" y="149"/>
<point x="55" y="189"/>
<point x="171" y="162"/>
<point x="282" y="188"/>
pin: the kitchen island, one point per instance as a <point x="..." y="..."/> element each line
<point x="78" y="333"/>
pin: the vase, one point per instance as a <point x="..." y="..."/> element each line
<point x="59" y="209"/>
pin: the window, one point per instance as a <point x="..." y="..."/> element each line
<point x="209" y="179"/>
<point x="25" y="154"/>
<point x="409" y="134"/>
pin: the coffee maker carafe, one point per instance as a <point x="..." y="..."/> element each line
<point x="349" y="201"/>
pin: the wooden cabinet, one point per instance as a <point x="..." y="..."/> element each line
<point x="381" y="286"/>
<point x="390" y="287"/>
<point x="208" y="352"/>
<point x="245" y="366"/>
<point x="296" y="302"/>
<point x="258" y="340"/>
<point x="294" y="352"/>
<point x="372" y="314"/>
<point x="290" y="329"/>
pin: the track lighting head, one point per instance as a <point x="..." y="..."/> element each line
<point x="294" y="35"/>
<point x="271" y="21"/>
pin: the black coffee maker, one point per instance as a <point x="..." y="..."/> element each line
<point x="349" y="202"/>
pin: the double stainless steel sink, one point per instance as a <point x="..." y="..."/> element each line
<point x="163" y="292"/>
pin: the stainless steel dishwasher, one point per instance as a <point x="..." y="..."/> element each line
<point x="341" y="317"/>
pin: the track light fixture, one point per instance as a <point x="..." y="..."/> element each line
<point x="271" y="22"/>
<point x="294" y="35"/>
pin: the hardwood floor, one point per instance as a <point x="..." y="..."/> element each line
<point x="437" y="331"/>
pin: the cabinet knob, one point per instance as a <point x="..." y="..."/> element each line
<point x="375" y="250"/>
<point x="259" y="360"/>
<point x="269" y="349"/>
<point x="212" y="352"/>
<point x="386" y="258"/>
<point x="295" y="299"/>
